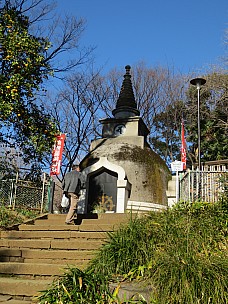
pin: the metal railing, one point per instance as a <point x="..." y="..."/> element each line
<point x="18" y="192"/>
<point x="206" y="186"/>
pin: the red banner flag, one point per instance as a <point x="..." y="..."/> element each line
<point x="183" y="146"/>
<point x="57" y="154"/>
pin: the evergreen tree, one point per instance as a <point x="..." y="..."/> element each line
<point x="23" y="68"/>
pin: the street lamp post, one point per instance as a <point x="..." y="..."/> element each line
<point x="198" y="82"/>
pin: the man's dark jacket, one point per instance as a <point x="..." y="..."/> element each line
<point x="71" y="182"/>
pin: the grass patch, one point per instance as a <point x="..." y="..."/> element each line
<point x="9" y="217"/>
<point x="76" y="286"/>
<point x="182" y="252"/>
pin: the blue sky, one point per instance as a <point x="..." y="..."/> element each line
<point x="185" y="34"/>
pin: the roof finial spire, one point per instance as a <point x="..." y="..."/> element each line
<point x="128" y="68"/>
<point x="126" y="105"/>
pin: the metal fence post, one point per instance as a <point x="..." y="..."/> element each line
<point x="15" y="190"/>
<point x="51" y="196"/>
<point x="177" y="186"/>
<point x="43" y="191"/>
<point x="11" y="194"/>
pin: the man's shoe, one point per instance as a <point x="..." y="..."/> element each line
<point x="69" y="223"/>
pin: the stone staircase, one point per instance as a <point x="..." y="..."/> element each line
<point x="34" y="253"/>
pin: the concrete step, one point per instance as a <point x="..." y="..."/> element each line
<point x="59" y="219"/>
<point x="25" y="255"/>
<point x="31" y="269"/>
<point x="27" y="234"/>
<point x="47" y="227"/>
<point x="13" y="301"/>
<point x="67" y="262"/>
<point x="4" y="299"/>
<point x="93" y="216"/>
<point x="47" y="244"/>
<point x="98" y="227"/>
<point x="104" y="221"/>
<point x="19" y="287"/>
<point x="82" y="227"/>
<point x="34" y="253"/>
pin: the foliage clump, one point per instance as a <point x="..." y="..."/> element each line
<point x="24" y="67"/>
<point x="9" y="217"/>
<point x="77" y="286"/>
<point x="182" y="252"/>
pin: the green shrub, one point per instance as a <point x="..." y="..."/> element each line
<point x="9" y="217"/>
<point x="182" y="252"/>
<point x="125" y="249"/>
<point x="76" y="286"/>
<point x="193" y="267"/>
<point x="189" y="278"/>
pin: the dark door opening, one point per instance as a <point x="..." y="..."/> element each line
<point x="102" y="193"/>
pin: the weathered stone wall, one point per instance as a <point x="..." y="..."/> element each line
<point x="147" y="173"/>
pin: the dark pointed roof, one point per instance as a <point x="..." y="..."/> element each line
<point x="126" y="102"/>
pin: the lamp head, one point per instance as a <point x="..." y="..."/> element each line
<point x="198" y="82"/>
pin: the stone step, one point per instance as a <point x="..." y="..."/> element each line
<point x="59" y="219"/>
<point x="19" y="287"/>
<point x="93" y="216"/>
<point x="34" y="253"/>
<point x="48" y="227"/>
<point x="24" y="255"/>
<point x="82" y="227"/>
<point x="74" y="262"/>
<point x="80" y="217"/>
<point x="13" y="301"/>
<point x="101" y="221"/>
<point x="27" y="234"/>
<point x="73" y="244"/>
<point x="104" y="221"/>
<point x="30" y="269"/>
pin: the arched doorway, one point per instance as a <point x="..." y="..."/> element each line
<point x="102" y="191"/>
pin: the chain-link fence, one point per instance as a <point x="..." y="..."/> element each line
<point x="16" y="192"/>
<point x="202" y="185"/>
<point x="6" y="191"/>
